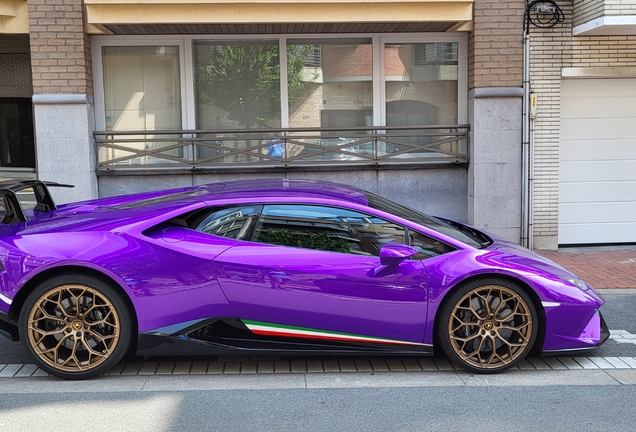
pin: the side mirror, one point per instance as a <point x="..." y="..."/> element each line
<point x="392" y="254"/>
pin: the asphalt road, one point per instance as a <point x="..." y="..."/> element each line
<point x="521" y="400"/>
<point x="502" y="408"/>
<point x="619" y="312"/>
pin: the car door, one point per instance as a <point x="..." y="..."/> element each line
<point x="311" y="272"/>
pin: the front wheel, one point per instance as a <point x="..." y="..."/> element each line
<point x="487" y="326"/>
<point x="75" y="326"/>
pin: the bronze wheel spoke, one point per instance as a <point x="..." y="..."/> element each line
<point x="501" y="303"/>
<point x="515" y="328"/>
<point x="512" y="345"/>
<point x="54" y="350"/>
<point x="463" y="324"/>
<point x="103" y="320"/>
<point x="44" y="333"/>
<point x="479" y="299"/>
<point x="72" y="355"/>
<point x="502" y="329"/>
<point x="102" y="339"/>
<point x="46" y="315"/>
<point x="61" y="332"/>
<point x="91" y="353"/>
<point x="466" y="339"/>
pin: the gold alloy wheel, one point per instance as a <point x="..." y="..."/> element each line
<point x="490" y="327"/>
<point x="73" y="328"/>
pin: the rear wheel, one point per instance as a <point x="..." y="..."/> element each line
<point x="487" y="326"/>
<point x="75" y="326"/>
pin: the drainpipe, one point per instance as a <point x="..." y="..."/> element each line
<point x="542" y="14"/>
<point x="526" y="237"/>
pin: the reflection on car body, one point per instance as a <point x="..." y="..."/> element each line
<point x="274" y="266"/>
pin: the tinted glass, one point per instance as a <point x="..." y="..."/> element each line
<point x="234" y="222"/>
<point x="427" y="247"/>
<point x="385" y="205"/>
<point x="325" y="228"/>
<point x="27" y="199"/>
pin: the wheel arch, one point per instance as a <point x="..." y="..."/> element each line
<point x="31" y="284"/>
<point x="536" y="302"/>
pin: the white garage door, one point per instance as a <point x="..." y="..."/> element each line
<point x="597" y="175"/>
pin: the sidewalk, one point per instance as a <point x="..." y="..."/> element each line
<point x="600" y="267"/>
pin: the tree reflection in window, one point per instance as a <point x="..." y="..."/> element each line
<point x="326" y="228"/>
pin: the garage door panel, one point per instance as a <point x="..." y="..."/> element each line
<point x="588" y="129"/>
<point x="586" y="213"/>
<point x="593" y="108"/>
<point x="597" y="171"/>
<point x="597" y="233"/>
<point x="598" y="87"/>
<point x="597" y="192"/>
<point x="600" y="149"/>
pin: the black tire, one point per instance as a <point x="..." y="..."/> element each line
<point x="487" y="325"/>
<point x="75" y="326"/>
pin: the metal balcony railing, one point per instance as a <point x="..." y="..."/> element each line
<point x="118" y="150"/>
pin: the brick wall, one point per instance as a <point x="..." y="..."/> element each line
<point x="550" y="51"/>
<point x="494" y="46"/>
<point x="347" y="60"/>
<point x="15" y="75"/>
<point x="588" y="10"/>
<point x="60" y="49"/>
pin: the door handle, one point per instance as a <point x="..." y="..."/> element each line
<point x="241" y="272"/>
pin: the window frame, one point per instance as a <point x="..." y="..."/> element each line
<point x="186" y="62"/>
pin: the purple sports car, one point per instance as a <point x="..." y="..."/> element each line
<point x="273" y="266"/>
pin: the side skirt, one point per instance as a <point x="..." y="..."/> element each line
<point x="231" y="336"/>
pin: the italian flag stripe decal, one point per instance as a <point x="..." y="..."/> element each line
<point x="269" y="329"/>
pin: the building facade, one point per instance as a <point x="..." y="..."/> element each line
<point x="583" y="71"/>
<point x="419" y="101"/>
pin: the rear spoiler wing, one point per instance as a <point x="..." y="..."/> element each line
<point x="14" y="212"/>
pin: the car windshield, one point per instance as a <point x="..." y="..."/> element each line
<point x="465" y="236"/>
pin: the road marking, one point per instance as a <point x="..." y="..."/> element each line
<point x="622" y="336"/>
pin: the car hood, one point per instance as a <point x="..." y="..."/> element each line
<point x="519" y="255"/>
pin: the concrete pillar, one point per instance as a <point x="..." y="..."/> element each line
<point x="494" y="174"/>
<point x="65" y="148"/>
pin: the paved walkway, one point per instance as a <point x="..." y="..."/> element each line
<point x="252" y="366"/>
<point x="600" y="267"/>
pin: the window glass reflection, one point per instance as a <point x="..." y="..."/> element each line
<point x="330" y="85"/>
<point x="326" y="228"/>
<point x="421" y="86"/>
<point x="234" y="222"/>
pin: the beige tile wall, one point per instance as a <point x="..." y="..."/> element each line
<point x="552" y="50"/>
<point x="60" y="50"/>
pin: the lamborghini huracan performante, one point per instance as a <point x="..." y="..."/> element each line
<point x="284" y="267"/>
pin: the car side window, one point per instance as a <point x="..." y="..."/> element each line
<point x="325" y="228"/>
<point x="427" y="246"/>
<point x="231" y="222"/>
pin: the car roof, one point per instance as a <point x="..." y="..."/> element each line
<point x="107" y="213"/>
<point x="257" y="189"/>
<point x="289" y="187"/>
